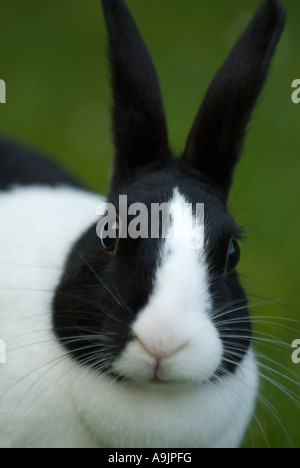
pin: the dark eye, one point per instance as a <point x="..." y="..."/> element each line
<point x="110" y="236"/>
<point x="233" y="256"/>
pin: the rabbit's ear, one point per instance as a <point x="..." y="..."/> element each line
<point x="139" y="123"/>
<point x="217" y="136"/>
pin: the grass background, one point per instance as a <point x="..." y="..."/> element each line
<point x="53" y="59"/>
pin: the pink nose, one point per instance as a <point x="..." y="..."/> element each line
<point x="160" y="349"/>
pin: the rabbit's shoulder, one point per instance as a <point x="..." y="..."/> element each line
<point x="22" y="166"/>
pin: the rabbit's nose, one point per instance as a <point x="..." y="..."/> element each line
<point x="160" y="348"/>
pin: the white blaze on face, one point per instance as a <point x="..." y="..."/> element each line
<point x="175" y="339"/>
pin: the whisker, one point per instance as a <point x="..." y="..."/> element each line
<point x="291" y="395"/>
<point x="295" y="381"/>
<point x="257" y="339"/>
<point x="254" y="416"/>
<point x="272" y="411"/>
<point x="103" y="284"/>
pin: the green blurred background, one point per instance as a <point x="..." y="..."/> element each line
<point x="53" y="59"/>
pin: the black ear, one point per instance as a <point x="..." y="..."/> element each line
<point x="139" y="123"/>
<point x="217" y="136"/>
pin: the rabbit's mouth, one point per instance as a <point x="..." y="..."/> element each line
<point x="167" y="365"/>
<point x="157" y="381"/>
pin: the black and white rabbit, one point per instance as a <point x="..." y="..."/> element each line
<point x="123" y="342"/>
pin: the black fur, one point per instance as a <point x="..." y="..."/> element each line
<point x="217" y="136"/>
<point x="21" y="166"/>
<point x="100" y="294"/>
<point x="139" y="123"/>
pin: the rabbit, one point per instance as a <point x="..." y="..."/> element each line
<point x="121" y="342"/>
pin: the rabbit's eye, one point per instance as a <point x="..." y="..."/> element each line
<point x="110" y="236"/>
<point x="233" y="256"/>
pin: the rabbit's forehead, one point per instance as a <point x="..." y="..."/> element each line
<point x="187" y="230"/>
<point x="181" y="272"/>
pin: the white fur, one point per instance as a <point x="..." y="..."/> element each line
<point x="175" y="337"/>
<point x="134" y="415"/>
<point x="48" y="400"/>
